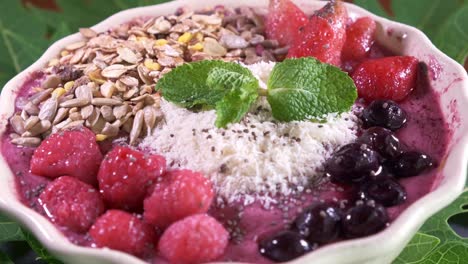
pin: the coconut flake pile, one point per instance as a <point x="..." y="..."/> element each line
<point x="256" y="159"/>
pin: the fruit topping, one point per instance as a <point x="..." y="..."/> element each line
<point x="181" y="193"/>
<point x="71" y="203"/>
<point x="125" y="232"/>
<point x="364" y="219"/>
<point x="382" y="140"/>
<point x="284" y="22"/>
<point x="126" y="175"/>
<point x="284" y="246"/>
<point x="359" y="39"/>
<point x="195" y="239"/>
<point x="410" y="164"/>
<point x="352" y="163"/>
<point x="385" y="191"/>
<point x="384" y="113"/>
<point x="319" y="223"/>
<point x="386" y="78"/>
<point x="324" y="35"/>
<point x="73" y="153"/>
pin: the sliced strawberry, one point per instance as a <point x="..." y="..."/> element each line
<point x="386" y="78"/>
<point x="284" y="21"/>
<point x="324" y="36"/>
<point x="359" y="39"/>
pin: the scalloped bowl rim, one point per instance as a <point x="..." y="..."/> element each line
<point x="353" y="251"/>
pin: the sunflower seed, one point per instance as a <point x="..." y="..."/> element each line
<point x="114" y="71"/>
<point x="75" y="116"/>
<point x="136" y="127"/>
<point x="40" y="96"/>
<point x="86" y="111"/>
<point x="107" y="89"/>
<point x="93" y="118"/>
<point x="31" y="108"/>
<point x="77" y="102"/>
<point x="61" y="125"/>
<point x="88" y="33"/>
<point x="110" y="130"/>
<point x="17" y="123"/>
<point x="122" y="110"/>
<point x="75" y="46"/>
<point x="107" y="113"/>
<point x="62" y="113"/>
<point x="73" y="124"/>
<point x="48" y="109"/>
<point x="149" y="117"/>
<point x="143" y="74"/>
<point x="39" y="128"/>
<point x="130" y="93"/>
<point x="24" y="114"/>
<point x="77" y="56"/>
<point x="27" y="141"/>
<point x="105" y="101"/>
<point x="84" y="92"/>
<point x="51" y="81"/>
<point x="30" y="122"/>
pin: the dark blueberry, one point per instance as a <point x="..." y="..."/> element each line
<point x="284" y="246"/>
<point x="319" y="223"/>
<point x="382" y="140"/>
<point x="410" y="164"/>
<point x="352" y="163"/>
<point x="384" y="113"/>
<point x="364" y="219"/>
<point x="385" y="191"/>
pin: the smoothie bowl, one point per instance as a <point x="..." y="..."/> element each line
<point x="194" y="132"/>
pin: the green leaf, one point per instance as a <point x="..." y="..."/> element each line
<point x="418" y="248"/>
<point x="444" y="22"/>
<point x="9" y="230"/>
<point x="40" y="250"/>
<point x="4" y="259"/>
<point x="188" y="86"/>
<point x="448" y="247"/>
<point x="304" y="89"/>
<point x="233" y="107"/>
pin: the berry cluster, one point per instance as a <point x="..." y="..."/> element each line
<point x="128" y="182"/>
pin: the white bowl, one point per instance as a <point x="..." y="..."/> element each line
<point x="452" y="83"/>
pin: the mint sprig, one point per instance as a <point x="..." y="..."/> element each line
<point x="305" y="89"/>
<point x="298" y="89"/>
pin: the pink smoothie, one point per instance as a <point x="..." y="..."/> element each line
<point x="425" y="131"/>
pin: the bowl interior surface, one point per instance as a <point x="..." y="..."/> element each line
<point x="448" y="79"/>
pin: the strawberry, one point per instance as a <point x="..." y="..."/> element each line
<point x="386" y="78"/>
<point x="181" y="193"/>
<point x="284" y="21"/>
<point x="195" y="239"/>
<point x="359" y="38"/>
<point x="125" y="232"/>
<point x="71" y="203"/>
<point x="324" y="36"/>
<point x="72" y="152"/>
<point x="125" y="176"/>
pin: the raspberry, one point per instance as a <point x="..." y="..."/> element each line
<point x="73" y="152"/>
<point x="125" y="176"/>
<point x="181" y="193"/>
<point x="324" y="35"/>
<point x="359" y="39"/>
<point x="70" y="203"/>
<point x="284" y="21"/>
<point x="386" y="78"/>
<point x="195" y="239"/>
<point x="125" y="232"/>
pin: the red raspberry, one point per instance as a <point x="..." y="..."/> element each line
<point x="195" y="239"/>
<point x="324" y="36"/>
<point x="71" y="203"/>
<point x="386" y="78"/>
<point x="181" y="193"/>
<point x="73" y="152"/>
<point x="359" y="39"/>
<point x="125" y="176"/>
<point x="125" y="232"/>
<point x="284" y="21"/>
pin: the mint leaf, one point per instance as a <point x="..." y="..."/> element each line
<point x="4" y="259"/>
<point x="417" y="249"/>
<point x="9" y="230"/>
<point x="40" y="250"/>
<point x="305" y="88"/>
<point x="451" y="249"/>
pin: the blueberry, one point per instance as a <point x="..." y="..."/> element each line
<point x="319" y="223"/>
<point x="384" y="113"/>
<point x="364" y="219"/>
<point x="410" y="164"/>
<point x="385" y="191"/>
<point x="284" y="246"/>
<point x="352" y="163"/>
<point x="382" y="140"/>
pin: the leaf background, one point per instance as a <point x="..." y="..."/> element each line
<point x="27" y="29"/>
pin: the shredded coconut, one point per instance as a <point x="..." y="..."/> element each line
<point x="256" y="159"/>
